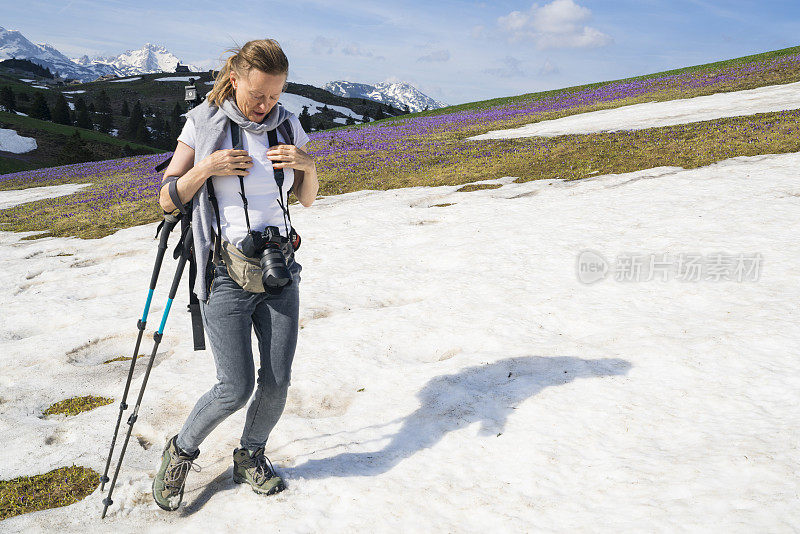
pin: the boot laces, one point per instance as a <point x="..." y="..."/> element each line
<point x="264" y="470"/>
<point x="177" y="471"/>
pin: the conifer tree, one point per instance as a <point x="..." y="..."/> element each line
<point x="305" y="119"/>
<point x="75" y="150"/>
<point x="160" y="138"/>
<point x="61" y="110"/>
<point x="142" y="135"/>
<point x="7" y="99"/>
<point x="136" y="120"/>
<point x="105" y="123"/>
<point x="126" y="112"/>
<point x="168" y="131"/>
<point x="177" y="111"/>
<point x="84" y="119"/>
<point x="103" y="102"/>
<point x="39" y="108"/>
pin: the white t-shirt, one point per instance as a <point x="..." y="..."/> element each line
<point x="260" y="187"/>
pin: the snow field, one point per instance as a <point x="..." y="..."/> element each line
<point x="655" y="114"/>
<point x="498" y="390"/>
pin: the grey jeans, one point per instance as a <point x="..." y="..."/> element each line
<point x="229" y="315"/>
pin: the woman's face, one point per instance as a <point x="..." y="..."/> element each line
<point x="257" y="93"/>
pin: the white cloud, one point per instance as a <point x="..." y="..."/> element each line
<point x="323" y="45"/>
<point x="355" y="49"/>
<point x="548" y="68"/>
<point x="436" y="56"/>
<point x="510" y="68"/>
<point x="554" y="25"/>
<point x="477" y="31"/>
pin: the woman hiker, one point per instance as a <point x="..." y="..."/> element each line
<point x="242" y="105"/>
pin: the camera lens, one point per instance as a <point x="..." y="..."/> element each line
<point x="274" y="272"/>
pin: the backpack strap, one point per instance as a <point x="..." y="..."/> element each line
<point x="216" y="256"/>
<point x="285" y="128"/>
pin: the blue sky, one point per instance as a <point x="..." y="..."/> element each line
<point x="455" y="51"/>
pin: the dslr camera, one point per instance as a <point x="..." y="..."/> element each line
<point x="268" y="246"/>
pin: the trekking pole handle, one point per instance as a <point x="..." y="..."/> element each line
<point x="187" y="244"/>
<point x="170" y="221"/>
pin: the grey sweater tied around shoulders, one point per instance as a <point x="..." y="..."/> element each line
<point x="211" y="126"/>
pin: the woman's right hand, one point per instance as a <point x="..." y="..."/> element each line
<point x="227" y="162"/>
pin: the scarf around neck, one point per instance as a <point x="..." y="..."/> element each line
<point x="275" y="116"/>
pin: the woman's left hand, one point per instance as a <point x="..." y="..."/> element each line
<point x="290" y="156"/>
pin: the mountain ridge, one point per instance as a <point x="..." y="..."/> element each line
<point x="154" y="58"/>
<point x="397" y="94"/>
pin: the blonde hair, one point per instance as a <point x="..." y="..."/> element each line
<point x="265" y="55"/>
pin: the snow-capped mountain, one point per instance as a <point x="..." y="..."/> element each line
<point x="14" y="45"/>
<point x="397" y="94"/>
<point x="148" y="59"/>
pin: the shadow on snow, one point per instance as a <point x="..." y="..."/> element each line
<point x="485" y="393"/>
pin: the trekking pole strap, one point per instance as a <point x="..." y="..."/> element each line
<point x="172" y="189"/>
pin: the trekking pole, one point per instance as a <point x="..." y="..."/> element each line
<point x="185" y="247"/>
<point x="169" y="222"/>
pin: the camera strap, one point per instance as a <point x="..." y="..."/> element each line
<point x="238" y="144"/>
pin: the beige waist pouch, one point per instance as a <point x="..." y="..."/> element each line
<point x="244" y="270"/>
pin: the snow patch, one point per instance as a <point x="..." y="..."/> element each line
<point x="127" y="79"/>
<point x="176" y="79"/>
<point x="15" y="197"/>
<point x="295" y="103"/>
<point x="654" y="114"/>
<point x="11" y="141"/>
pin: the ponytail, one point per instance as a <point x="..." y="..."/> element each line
<point x="265" y="55"/>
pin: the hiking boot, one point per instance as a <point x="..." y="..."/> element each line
<point x="171" y="477"/>
<point x="256" y="469"/>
